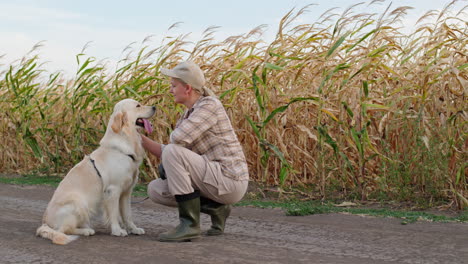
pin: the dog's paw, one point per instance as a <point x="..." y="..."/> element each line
<point x="137" y="231"/>
<point x="83" y="231"/>
<point x="119" y="232"/>
<point x="88" y="232"/>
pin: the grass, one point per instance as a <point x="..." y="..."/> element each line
<point x="302" y="208"/>
<point x="291" y="207"/>
<point x="32" y="180"/>
<point x="140" y="190"/>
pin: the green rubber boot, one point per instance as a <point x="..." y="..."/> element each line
<point x="189" y="216"/>
<point x="218" y="213"/>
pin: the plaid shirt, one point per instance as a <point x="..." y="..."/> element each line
<point x="206" y="130"/>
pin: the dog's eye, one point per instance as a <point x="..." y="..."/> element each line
<point x="138" y="105"/>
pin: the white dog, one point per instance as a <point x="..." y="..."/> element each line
<point x="102" y="180"/>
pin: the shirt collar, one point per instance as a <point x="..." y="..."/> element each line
<point x="195" y="105"/>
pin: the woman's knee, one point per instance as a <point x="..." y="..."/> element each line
<point x="152" y="190"/>
<point x="159" y="193"/>
<point x="238" y="192"/>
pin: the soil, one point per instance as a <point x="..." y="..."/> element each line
<point x="252" y="235"/>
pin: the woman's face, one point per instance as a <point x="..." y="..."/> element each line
<point x="179" y="90"/>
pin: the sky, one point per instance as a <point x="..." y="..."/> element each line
<point x="64" y="27"/>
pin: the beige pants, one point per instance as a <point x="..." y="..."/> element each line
<point x="186" y="171"/>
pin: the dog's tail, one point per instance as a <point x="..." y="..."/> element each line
<point x="57" y="237"/>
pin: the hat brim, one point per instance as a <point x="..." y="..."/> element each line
<point x="169" y="73"/>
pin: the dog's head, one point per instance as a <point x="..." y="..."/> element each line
<point x="130" y="114"/>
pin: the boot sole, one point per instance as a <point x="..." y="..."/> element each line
<point x="212" y="234"/>
<point x="185" y="239"/>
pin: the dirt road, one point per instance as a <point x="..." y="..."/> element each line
<point x="252" y="236"/>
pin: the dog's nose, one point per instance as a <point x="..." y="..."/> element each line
<point x="154" y="108"/>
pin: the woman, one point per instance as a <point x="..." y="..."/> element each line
<point x="204" y="165"/>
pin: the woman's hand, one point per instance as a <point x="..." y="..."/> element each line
<point x="151" y="146"/>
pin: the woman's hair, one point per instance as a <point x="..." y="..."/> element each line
<point x="203" y="91"/>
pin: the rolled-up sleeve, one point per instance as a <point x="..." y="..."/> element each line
<point x="162" y="147"/>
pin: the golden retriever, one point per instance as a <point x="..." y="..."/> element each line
<point x="102" y="182"/>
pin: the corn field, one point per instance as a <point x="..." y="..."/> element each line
<point x="346" y="106"/>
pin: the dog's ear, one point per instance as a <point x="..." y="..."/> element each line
<point x="120" y="119"/>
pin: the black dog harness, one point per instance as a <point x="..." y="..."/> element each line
<point x="94" y="164"/>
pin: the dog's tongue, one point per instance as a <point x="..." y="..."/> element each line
<point x="148" y="126"/>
